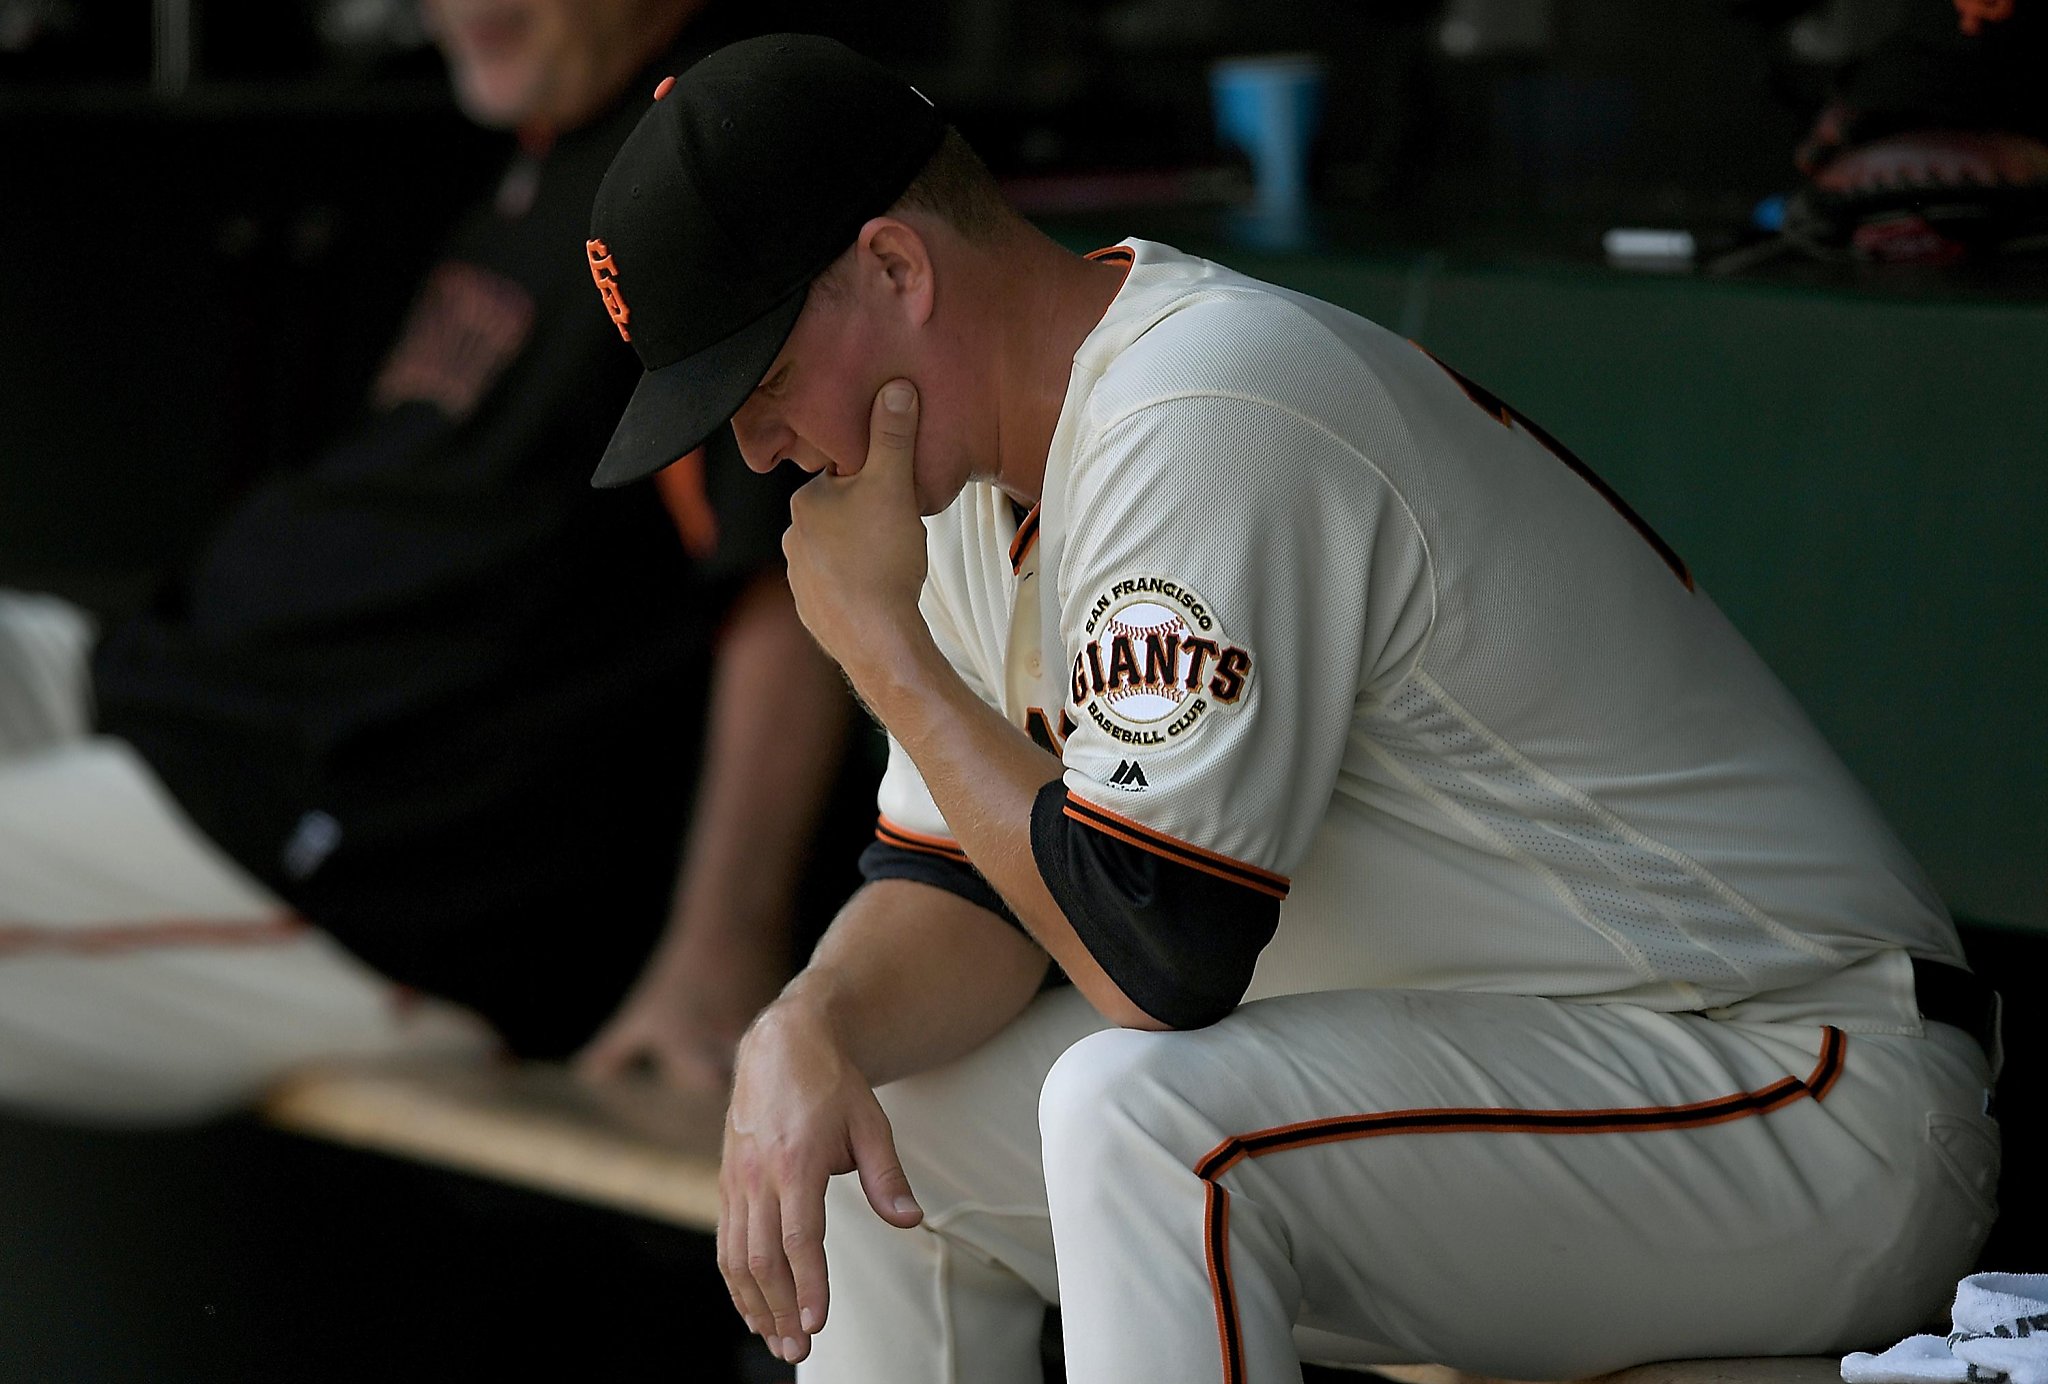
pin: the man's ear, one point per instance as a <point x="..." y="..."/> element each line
<point x="898" y="260"/>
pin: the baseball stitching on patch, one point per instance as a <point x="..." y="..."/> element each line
<point x="1149" y="701"/>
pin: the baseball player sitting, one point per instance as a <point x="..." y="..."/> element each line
<point x="390" y="742"/>
<point x="1475" y="956"/>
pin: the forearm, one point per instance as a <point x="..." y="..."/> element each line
<point x="857" y="563"/>
<point x="776" y="731"/>
<point x="909" y="978"/>
<point x="985" y="774"/>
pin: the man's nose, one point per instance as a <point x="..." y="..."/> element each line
<point x="758" y="448"/>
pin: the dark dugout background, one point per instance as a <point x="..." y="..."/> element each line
<point x="211" y="214"/>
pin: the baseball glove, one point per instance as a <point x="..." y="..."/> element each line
<point x="1929" y="196"/>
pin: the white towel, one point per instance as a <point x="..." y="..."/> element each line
<point x="2000" y="1336"/>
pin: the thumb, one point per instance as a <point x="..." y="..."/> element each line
<point x="881" y="1172"/>
<point x="892" y="428"/>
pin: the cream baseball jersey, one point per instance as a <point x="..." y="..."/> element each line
<point x="1312" y="618"/>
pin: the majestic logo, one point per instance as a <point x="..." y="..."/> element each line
<point x="1129" y="774"/>
<point x="1973" y="15"/>
<point x="1155" y="664"/>
<point x="604" y="272"/>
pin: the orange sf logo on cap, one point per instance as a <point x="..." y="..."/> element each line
<point x="605" y="274"/>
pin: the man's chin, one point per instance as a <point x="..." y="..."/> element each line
<point x="929" y="505"/>
<point x="495" y="102"/>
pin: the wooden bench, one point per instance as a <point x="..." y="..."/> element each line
<point x="628" y="1146"/>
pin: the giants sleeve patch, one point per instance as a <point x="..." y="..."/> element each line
<point x="1154" y="663"/>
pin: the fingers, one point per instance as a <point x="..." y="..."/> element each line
<point x="732" y="1264"/>
<point x="678" y="1060"/>
<point x="771" y="1251"/>
<point x="768" y="1263"/>
<point x="881" y="1172"/>
<point x="803" y="1244"/>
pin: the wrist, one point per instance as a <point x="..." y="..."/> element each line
<point x="805" y="1016"/>
<point x="897" y="666"/>
<point x="807" y="1002"/>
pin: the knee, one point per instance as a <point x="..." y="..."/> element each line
<point x="1108" y="1092"/>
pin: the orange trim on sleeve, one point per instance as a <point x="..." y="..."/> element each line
<point x="107" y="939"/>
<point x="889" y="833"/>
<point x="1307" y="1133"/>
<point x="1173" y="848"/>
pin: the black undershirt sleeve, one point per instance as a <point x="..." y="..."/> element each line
<point x="882" y="860"/>
<point x="1180" y="943"/>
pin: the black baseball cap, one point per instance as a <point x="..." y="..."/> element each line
<point x="748" y="176"/>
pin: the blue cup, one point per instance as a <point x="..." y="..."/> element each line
<point x="1269" y="107"/>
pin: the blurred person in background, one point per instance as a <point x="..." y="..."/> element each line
<point x="392" y="767"/>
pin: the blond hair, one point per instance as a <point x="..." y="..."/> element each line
<point x="956" y="186"/>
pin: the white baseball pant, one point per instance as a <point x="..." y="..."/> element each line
<point x="144" y="976"/>
<point x="1512" y="1186"/>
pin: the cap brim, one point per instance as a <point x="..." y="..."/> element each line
<point x="674" y="409"/>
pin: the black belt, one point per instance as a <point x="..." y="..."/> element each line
<point x="1951" y="995"/>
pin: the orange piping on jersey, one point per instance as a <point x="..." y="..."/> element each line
<point x="891" y="834"/>
<point x="1027" y="534"/>
<point x="1174" y="849"/>
<point x="681" y="484"/>
<point x="1039" y="728"/>
<point x="113" y="938"/>
<point x="1491" y="404"/>
<point x="1110" y="254"/>
<point x="1216" y="1254"/>
<point x="1627" y="1120"/>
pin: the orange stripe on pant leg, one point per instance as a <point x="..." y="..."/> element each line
<point x="1216" y="1250"/>
<point x="1641" y="1119"/>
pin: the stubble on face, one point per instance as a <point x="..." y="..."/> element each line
<point x="816" y="400"/>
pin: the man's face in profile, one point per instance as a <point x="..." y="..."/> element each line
<point x="551" y="64"/>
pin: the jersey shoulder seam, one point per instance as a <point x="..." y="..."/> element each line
<point x="1407" y="510"/>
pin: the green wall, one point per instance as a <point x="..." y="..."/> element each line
<point x="1860" y="480"/>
